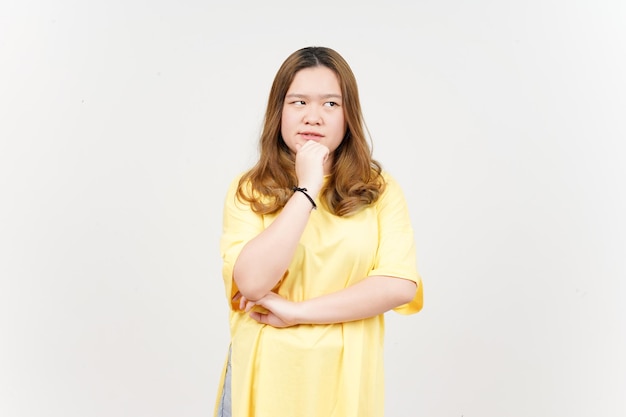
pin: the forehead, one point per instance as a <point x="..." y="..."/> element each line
<point x="315" y="80"/>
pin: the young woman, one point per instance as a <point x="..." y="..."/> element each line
<point x="317" y="245"/>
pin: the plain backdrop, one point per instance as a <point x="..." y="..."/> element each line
<point x="122" y="123"/>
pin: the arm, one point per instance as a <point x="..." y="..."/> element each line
<point x="373" y="296"/>
<point x="265" y="258"/>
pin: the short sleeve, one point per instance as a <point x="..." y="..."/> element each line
<point x="239" y="225"/>
<point x="396" y="254"/>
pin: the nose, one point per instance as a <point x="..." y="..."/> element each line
<point x="312" y="116"/>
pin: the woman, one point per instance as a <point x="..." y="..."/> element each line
<point x="317" y="245"/>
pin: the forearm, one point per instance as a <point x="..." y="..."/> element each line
<point x="372" y="296"/>
<point x="264" y="259"/>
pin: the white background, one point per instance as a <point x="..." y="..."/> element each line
<point x="122" y="123"/>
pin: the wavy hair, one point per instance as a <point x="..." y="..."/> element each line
<point x="355" y="177"/>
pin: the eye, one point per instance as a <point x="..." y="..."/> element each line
<point x="331" y="104"/>
<point x="298" y="102"/>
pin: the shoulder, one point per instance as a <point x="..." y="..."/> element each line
<point x="233" y="189"/>
<point x="392" y="194"/>
<point x="386" y="175"/>
<point x="390" y="182"/>
<point x="234" y="182"/>
<point x="241" y="191"/>
<point x="239" y="181"/>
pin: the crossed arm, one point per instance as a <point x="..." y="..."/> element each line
<point x="264" y="259"/>
<point x="370" y="297"/>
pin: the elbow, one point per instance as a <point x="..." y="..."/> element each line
<point x="249" y="289"/>
<point x="251" y="294"/>
<point x="252" y="284"/>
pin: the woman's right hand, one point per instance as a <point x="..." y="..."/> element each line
<point x="310" y="159"/>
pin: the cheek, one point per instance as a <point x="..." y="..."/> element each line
<point x="286" y="120"/>
<point x="287" y="129"/>
<point x="341" y="125"/>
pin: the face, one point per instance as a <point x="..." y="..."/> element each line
<point x="313" y="110"/>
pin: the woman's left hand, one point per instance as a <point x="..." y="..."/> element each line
<point x="280" y="312"/>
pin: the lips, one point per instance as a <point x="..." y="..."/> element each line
<point x="311" y="135"/>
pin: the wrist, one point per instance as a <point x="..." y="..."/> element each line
<point x="305" y="192"/>
<point x="313" y="190"/>
<point x="299" y="314"/>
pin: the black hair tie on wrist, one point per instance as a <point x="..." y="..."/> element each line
<point x="304" y="191"/>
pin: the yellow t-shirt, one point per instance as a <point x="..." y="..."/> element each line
<point x="331" y="370"/>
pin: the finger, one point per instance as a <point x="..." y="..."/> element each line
<point x="257" y="316"/>
<point x="237" y="296"/>
<point x="326" y="152"/>
<point x="249" y="306"/>
<point x="242" y="302"/>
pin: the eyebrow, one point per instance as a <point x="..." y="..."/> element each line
<point x="322" y="96"/>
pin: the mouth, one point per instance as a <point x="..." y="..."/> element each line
<point x="310" y="135"/>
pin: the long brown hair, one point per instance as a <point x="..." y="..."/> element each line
<point x="355" y="177"/>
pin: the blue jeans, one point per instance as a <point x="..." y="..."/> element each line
<point x="225" y="407"/>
